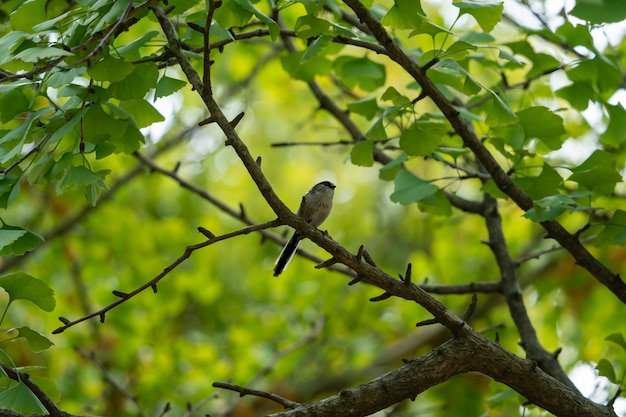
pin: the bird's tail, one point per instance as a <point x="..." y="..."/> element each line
<point x="287" y="254"/>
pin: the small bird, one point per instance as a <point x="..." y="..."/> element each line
<point x="314" y="209"/>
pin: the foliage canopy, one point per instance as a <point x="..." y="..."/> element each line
<point x="478" y="148"/>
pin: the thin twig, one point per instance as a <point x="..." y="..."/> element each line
<point x="123" y="297"/>
<point x="288" y="404"/>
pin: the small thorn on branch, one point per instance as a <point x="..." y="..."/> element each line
<point x="207" y="121"/>
<point x="101" y="315"/>
<point x="121" y="294"/>
<point x="196" y="27"/>
<point x="258" y="161"/>
<point x="64" y="320"/>
<point x="582" y="230"/>
<point x="359" y="254"/>
<point x="381" y="297"/>
<point x="242" y="211"/>
<point x="176" y="167"/>
<point x="426" y="322"/>
<point x="356" y="280"/>
<point x="497" y="339"/>
<point x="206" y="232"/>
<point x="430" y="64"/>
<point x="154" y="288"/>
<point x="419" y="98"/>
<point x="407" y="275"/>
<point x="467" y="315"/>
<point x="236" y="120"/>
<point x="326" y="263"/>
<point x="557" y="352"/>
<point x="369" y="259"/>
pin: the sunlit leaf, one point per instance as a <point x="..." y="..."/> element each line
<point x="486" y="14"/>
<point x="167" y="86"/>
<point x="361" y="72"/>
<point x="597" y="173"/>
<point x="362" y="153"/>
<point x="22" y="400"/>
<point x="613" y="233"/>
<point x="17" y="241"/>
<point x="410" y="189"/>
<point x="615" y="133"/>
<point x="500" y="114"/>
<point x="617" y="338"/>
<point x="422" y="138"/>
<point x="110" y="69"/>
<point x="606" y="369"/>
<point x="21" y="286"/>
<point x="136" y="84"/>
<point x="541" y="123"/>
<point x="36" y="341"/>
<point x="549" y="208"/>
<point x="29" y="15"/>
<point x="605" y="11"/>
<point x="404" y="14"/>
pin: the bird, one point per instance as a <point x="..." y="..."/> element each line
<point x="314" y="209"/>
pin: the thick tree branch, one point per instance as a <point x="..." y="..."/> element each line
<point x="469" y="352"/>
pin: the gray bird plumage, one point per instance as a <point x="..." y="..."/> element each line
<point x="314" y="209"/>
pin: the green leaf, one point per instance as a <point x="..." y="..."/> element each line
<point x="577" y="94"/>
<point x="36" y="341"/>
<point x="137" y="84"/>
<point x="317" y="47"/>
<point x="437" y="204"/>
<point x="377" y="131"/>
<point x="19" y="398"/>
<point x="613" y="232"/>
<point x="404" y="14"/>
<point x="271" y="24"/>
<point x="422" y="138"/>
<point x="617" y="338"/>
<point x="549" y="208"/>
<point x="36" y="54"/>
<point x="305" y="70"/>
<point x="543" y="185"/>
<point x="21" y="286"/>
<point x="605" y="368"/>
<point x="486" y="14"/>
<point x="28" y="15"/>
<point x="615" y="133"/>
<point x="500" y="114"/>
<point x="13" y="102"/>
<point x="143" y="113"/>
<point x="110" y="69"/>
<point x="600" y="72"/>
<point x="366" y="107"/>
<point x="410" y="189"/>
<point x="79" y="177"/>
<point x="362" y="72"/>
<point x="600" y="11"/>
<point x="597" y="173"/>
<point x="362" y="153"/>
<point x="458" y="50"/>
<point x="541" y="123"/>
<point x="310" y="26"/>
<point x="17" y="241"/>
<point x="389" y="171"/>
<point x="230" y="14"/>
<point x="392" y="95"/>
<point x="168" y="86"/>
